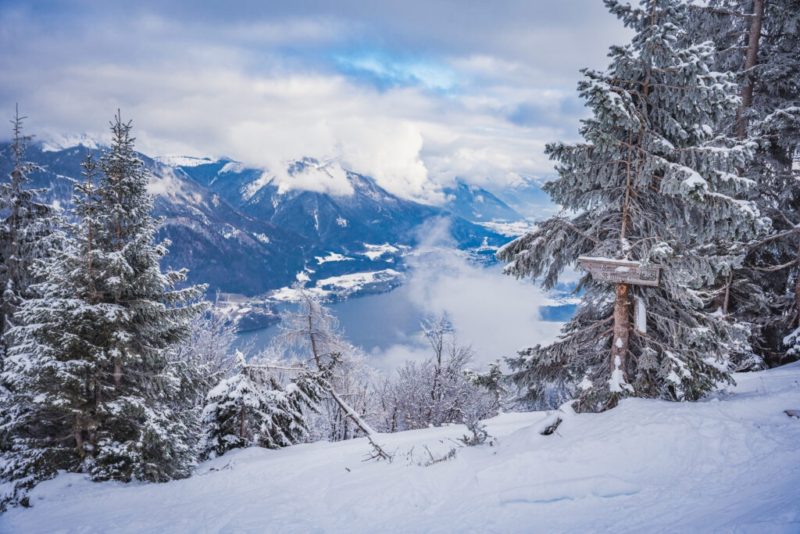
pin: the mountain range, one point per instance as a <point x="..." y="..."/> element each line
<point x="238" y="231"/>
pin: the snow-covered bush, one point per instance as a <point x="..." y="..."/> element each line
<point x="251" y="407"/>
<point x="204" y="358"/>
<point x="438" y="390"/>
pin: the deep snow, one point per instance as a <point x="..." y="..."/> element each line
<point x="727" y="464"/>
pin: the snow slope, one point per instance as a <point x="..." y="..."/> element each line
<point x="728" y="464"/>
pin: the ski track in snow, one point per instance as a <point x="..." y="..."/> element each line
<point x="727" y="464"/>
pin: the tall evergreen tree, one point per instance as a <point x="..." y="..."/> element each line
<point x="758" y="41"/>
<point x="776" y="125"/>
<point x="25" y="225"/>
<point x="651" y="183"/>
<point x="766" y="60"/>
<point x="27" y="236"/>
<point x="88" y="361"/>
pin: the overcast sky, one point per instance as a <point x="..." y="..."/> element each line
<point x="412" y="92"/>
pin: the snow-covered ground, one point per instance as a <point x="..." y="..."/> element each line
<point x="727" y="464"/>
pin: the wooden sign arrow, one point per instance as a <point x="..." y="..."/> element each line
<point x="621" y="271"/>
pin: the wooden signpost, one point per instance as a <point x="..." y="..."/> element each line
<point x="621" y="271"/>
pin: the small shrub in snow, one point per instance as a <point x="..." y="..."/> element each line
<point x="440" y="389"/>
<point x="250" y="407"/>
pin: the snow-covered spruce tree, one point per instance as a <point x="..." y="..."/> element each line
<point x="26" y="230"/>
<point x="651" y="183"/>
<point x="758" y="41"/>
<point x="776" y="124"/>
<point x="250" y="407"/>
<point x="28" y="235"/>
<point x="88" y="361"/>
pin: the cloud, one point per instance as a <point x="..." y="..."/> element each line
<point x="412" y="94"/>
<point x="495" y="313"/>
<point x="324" y="177"/>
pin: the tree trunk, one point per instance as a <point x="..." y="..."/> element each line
<point x="313" y="338"/>
<point x="78" y="433"/>
<point x="797" y="295"/>
<point x="360" y="423"/>
<point x="751" y="59"/>
<point x="622" y="330"/>
<point x="726" y="301"/>
<point x="84" y="432"/>
<point x="117" y="374"/>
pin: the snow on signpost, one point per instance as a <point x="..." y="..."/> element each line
<point x="621" y="271"/>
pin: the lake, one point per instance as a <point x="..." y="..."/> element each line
<point x="378" y="322"/>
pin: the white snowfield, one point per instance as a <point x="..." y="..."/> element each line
<point x="728" y="464"/>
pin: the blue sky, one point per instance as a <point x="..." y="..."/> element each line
<point x="412" y="92"/>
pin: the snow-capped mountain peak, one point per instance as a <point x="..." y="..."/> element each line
<point x="236" y="229"/>
<point x="57" y="142"/>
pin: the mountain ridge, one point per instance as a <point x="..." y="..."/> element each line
<point x="234" y="228"/>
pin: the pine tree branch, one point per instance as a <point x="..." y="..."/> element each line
<point x="578" y="231"/>
<point x="775" y="237"/>
<point x="722" y="11"/>
<point x="775" y="268"/>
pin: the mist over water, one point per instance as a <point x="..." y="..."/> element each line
<point x="494" y="313"/>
